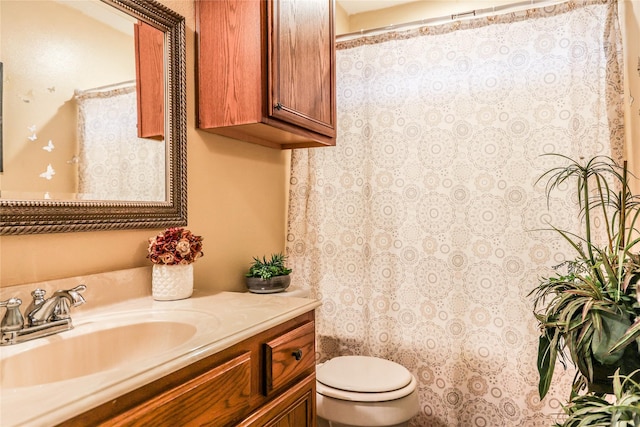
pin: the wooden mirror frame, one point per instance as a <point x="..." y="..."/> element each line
<point x="56" y="216"/>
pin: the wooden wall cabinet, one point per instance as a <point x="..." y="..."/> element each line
<point x="149" y="48"/>
<point x="266" y="71"/>
<point x="266" y="380"/>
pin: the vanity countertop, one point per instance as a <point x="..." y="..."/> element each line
<point x="222" y="319"/>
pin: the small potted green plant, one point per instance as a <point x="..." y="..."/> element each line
<point x="268" y="276"/>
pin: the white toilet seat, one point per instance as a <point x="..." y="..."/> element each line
<point x="364" y="379"/>
<point x="354" y="396"/>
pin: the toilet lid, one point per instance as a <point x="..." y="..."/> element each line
<point x="355" y="396"/>
<point x="363" y="374"/>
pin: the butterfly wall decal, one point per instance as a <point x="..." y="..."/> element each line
<point x="49" y="147"/>
<point x="27" y="97"/>
<point x="48" y="174"/>
<point x="33" y="137"/>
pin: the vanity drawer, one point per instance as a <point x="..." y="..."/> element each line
<point x="216" y="397"/>
<point x="288" y="356"/>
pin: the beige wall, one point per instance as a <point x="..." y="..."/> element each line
<point x="236" y="200"/>
<point x="342" y="20"/>
<point x="630" y="11"/>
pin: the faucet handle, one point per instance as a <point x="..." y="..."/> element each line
<point x="75" y="293"/>
<point x="12" y="320"/>
<point x="79" y="288"/>
<point x="10" y="302"/>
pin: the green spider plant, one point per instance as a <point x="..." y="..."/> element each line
<point x="622" y="410"/>
<point x="591" y="313"/>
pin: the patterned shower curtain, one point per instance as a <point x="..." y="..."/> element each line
<point x="422" y="231"/>
<point x="113" y="163"/>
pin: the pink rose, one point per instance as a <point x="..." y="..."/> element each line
<point x="167" y="258"/>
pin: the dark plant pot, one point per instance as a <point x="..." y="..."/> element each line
<point x="602" y="382"/>
<point x="602" y="374"/>
<point x="258" y="285"/>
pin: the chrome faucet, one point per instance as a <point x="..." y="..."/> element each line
<point x="41" y="318"/>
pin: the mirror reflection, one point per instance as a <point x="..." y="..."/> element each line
<point x="83" y="103"/>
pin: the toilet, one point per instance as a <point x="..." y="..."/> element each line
<point x="364" y="391"/>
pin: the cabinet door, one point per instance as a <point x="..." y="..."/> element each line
<point x="302" y="55"/>
<point x="293" y="408"/>
<point x="149" y="46"/>
<point x="214" y="398"/>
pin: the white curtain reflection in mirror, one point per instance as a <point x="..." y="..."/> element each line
<point x="114" y="164"/>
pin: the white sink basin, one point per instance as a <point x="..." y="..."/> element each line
<point x="98" y="345"/>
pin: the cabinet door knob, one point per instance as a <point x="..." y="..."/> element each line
<point x="297" y="354"/>
<point x="278" y="106"/>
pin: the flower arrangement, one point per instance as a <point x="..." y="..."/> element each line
<point x="175" y="245"/>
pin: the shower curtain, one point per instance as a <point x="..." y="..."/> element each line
<point x="422" y="230"/>
<point x="113" y="163"/>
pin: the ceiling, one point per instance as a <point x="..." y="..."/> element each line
<point x="104" y="13"/>
<point x="358" y="6"/>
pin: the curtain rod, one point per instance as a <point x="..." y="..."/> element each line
<point x="110" y="86"/>
<point x="453" y="17"/>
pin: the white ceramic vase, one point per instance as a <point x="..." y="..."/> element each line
<point x="171" y="282"/>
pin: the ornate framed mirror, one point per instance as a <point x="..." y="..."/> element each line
<point x="66" y="165"/>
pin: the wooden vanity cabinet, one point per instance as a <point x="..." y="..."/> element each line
<point x="266" y="380"/>
<point x="266" y="71"/>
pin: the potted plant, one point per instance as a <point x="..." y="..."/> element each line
<point x="620" y="411"/>
<point x="590" y="313"/>
<point x="173" y="253"/>
<point x="268" y="276"/>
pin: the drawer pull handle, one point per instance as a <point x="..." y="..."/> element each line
<point x="297" y="354"/>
